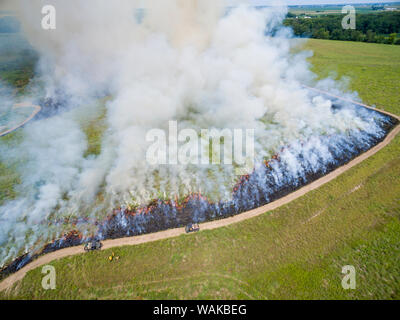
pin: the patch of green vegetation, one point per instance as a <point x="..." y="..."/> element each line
<point x="295" y="251"/>
<point x="19" y="79"/>
<point x="94" y="125"/>
<point x="8" y="179"/>
<point x="380" y="27"/>
<point x="16" y="70"/>
<point x="17" y="61"/>
<point x="9" y="176"/>
<point x="373" y="70"/>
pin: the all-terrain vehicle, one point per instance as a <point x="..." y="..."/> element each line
<point x="192" y="227"/>
<point x="92" y="245"/>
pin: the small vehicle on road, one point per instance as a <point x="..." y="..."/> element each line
<point x="192" y="227"/>
<point x="92" y="245"/>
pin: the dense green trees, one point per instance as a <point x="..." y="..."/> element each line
<point x="382" y="27"/>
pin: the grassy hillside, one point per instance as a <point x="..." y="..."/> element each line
<point x="296" y="251"/>
<point x="373" y="70"/>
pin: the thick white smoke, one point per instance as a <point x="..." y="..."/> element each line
<point x="187" y="60"/>
<point x="6" y="102"/>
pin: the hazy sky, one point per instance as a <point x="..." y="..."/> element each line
<point x="4" y="6"/>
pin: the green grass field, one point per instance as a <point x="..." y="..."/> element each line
<point x="294" y="252"/>
<point x="373" y="70"/>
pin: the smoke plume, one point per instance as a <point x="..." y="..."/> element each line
<point x="139" y="67"/>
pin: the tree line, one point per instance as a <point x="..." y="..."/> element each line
<point x="382" y="27"/>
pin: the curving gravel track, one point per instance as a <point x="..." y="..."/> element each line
<point x="16" y="106"/>
<point x="46" y="259"/>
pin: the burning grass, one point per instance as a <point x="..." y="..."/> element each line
<point x="265" y="184"/>
<point x="280" y="255"/>
<point x="226" y="70"/>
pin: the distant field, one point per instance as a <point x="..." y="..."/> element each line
<point x="373" y="70"/>
<point x="335" y="9"/>
<point x="296" y="251"/>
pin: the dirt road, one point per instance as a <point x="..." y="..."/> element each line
<point x="21" y="105"/>
<point x="46" y="259"/>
